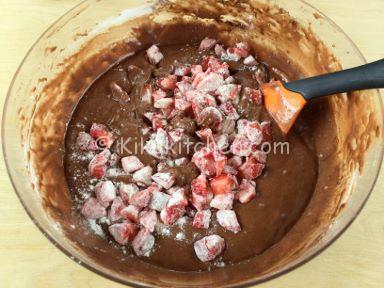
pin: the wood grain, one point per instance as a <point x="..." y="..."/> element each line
<point x="28" y="259"/>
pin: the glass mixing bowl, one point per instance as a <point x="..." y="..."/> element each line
<point x="91" y="18"/>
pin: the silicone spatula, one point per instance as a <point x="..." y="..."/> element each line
<point x="284" y="101"/>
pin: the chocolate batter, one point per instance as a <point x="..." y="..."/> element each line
<point x="284" y="189"/>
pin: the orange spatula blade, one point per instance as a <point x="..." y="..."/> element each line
<point x="283" y="104"/>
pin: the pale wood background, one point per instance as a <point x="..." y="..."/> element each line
<point x="28" y="259"/>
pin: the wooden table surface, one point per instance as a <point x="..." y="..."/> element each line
<point x="28" y="259"/>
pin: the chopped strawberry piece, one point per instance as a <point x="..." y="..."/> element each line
<point x="141" y="198"/>
<point x="85" y="142"/>
<point x="251" y="169"/>
<point x="209" y="247"/>
<point x="230" y="80"/>
<point x="113" y="160"/>
<point x="123" y="232"/>
<point x="223" y="201"/>
<point x="158" y="145"/>
<point x="229" y="170"/>
<point x="158" y="94"/>
<point x="159" y="201"/>
<point x="176" y="134"/>
<point x="196" y="69"/>
<point x="229" y="111"/>
<point x="97" y="167"/>
<point x="131" y="164"/>
<point x="219" y="50"/>
<point x="210" y="83"/>
<point x="266" y="129"/>
<point x="146" y="94"/>
<point x="143" y="176"/>
<point x="201" y="202"/>
<point x="241" y="124"/>
<point x="165" y="180"/>
<point x="118" y="93"/>
<point x="242" y="49"/>
<point x="170" y="215"/>
<point x="232" y="55"/>
<point x="253" y="132"/>
<point x="131" y="213"/>
<point x="222" y="142"/>
<point x="205" y="134"/>
<point x="254" y="94"/>
<point x="207" y="44"/>
<point x="116" y="207"/>
<point x="92" y="209"/>
<point x="172" y="190"/>
<point x="167" y="83"/>
<point x="154" y="55"/>
<point x="105" y="192"/>
<point x="235" y="161"/>
<point x="148" y="219"/>
<point x="126" y="191"/>
<point x="229" y="92"/>
<point x="260" y="156"/>
<point x="181" y="70"/>
<point x="220" y="161"/>
<point x="241" y="146"/>
<point x="228" y="220"/>
<point x="210" y="116"/>
<point x="178" y="198"/>
<point x="164" y="103"/>
<point x="221" y="184"/>
<point x="104" y="138"/>
<point x="204" y="160"/>
<point x="197" y="79"/>
<point x="202" y="219"/>
<point x="143" y="243"/>
<point x="214" y="65"/>
<point x="182" y="105"/>
<point x="250" y="60"/>
<point x="181" y="161"/>
<point x="246" y="192"/>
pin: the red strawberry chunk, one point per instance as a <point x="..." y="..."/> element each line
<point x="143" y="243"/>
<point x="154" y="55"/>
<point x="85" y="142"/>
<point x="105" y="192"/>
<point x="221" y="184"/>
<point x="232" y="55"/>
<point x="196" y="69"/>
<point x="230" y="80"/>
<point x="266" y="129"/>
<point x="146" y="94"/>
<point x="207" y="44"/>
<point x="219" y="50"/>
<point x="260" y="156"/>
<point x="228" y="220"/>
<point x="209" y="247"/>
<point x="241" y="146"/>
<point x="250" y="60"/>
<point x="181" y="70"/>
<point x="210" y="83"/>
<point x="202" y="219"/>
<point x="158" y="121"/>
<point x="92" y="209"/>
<point x="104" y="138"/>
<point x="158" y="94"/>
<point x="167" y="83"/>
<point x="204" y="160"/>
<point x="126" y="191"/>
<point x="235" y="161"/>
<point x="213" y="64"/>
<point x="246" y="192"/>
<point x="251" y="169"/>
<point x="178" y="198"/>
<point x="229" y="170"/>
<point x="116" y="207"/>
<point x="229" y="111"/>
<point x="223" y="201"/>
<point x="199" y="185"/>
<point x="182" y="105"/>
<point x="131" y="164"/>
<point x="210" y="116"/>
<point x="170" y="215"/>
<point x="220" y="161"/>
<point x="253" y="132"/>
<point x="131" y="213"/>
<point x="123" y="232"/>
<point x="158" y="145"/>
<point x="176" y="134"/>
<point x="141" y="198"/>
<point x="201" y="202"/>
<point x="164" y="103"/>
<point x="197" y="79"/>
<point x="205" y="134"/>
<point x="242" y="49"/>
<point x="229" y="92"/>
<point x="222" y="141"/>
<point x="159" y="201"/>
<point x="165" y="180"/>
<point x="143" y="176"/>
<point x="148" y="219"/>
<point x="254" y="94"/>
<point x="97" y="167"/>
<point x="113" y="160"/>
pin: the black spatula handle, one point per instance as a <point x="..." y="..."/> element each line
<point x="368" y="76"/>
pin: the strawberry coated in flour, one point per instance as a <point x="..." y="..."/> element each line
<point x="228" y="161"/>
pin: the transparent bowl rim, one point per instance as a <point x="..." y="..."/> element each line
<point x="143" y="284"/>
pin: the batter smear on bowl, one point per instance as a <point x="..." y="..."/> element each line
<point x="167" y="157"/>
